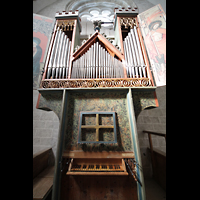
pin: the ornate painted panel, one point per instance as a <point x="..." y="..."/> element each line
<point x="153" y="26"/>
<point x="42" y="27"/>
<point x="143" y="100"/>
<point x="98" y="101"/>
<point x="51" y="101"/>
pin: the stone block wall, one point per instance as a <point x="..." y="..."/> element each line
<point x="152" y="120"/>
<point x="45" y="128"/>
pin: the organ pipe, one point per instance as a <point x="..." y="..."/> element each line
<point x="97" y="63"/>
<point x="59" y="59"/>
<point x="134" y="61"/>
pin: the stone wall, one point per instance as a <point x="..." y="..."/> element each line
<point x="152" y="120"/>
<point x="45" y="128"/>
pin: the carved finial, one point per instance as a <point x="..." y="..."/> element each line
<point x="97" y="25"/>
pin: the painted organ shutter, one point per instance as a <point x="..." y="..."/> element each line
<point x="152" y="23"/>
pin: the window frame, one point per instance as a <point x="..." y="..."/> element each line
<point x="97" y="127"/>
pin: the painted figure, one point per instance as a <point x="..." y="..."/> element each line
<point x="156" y="41"/>
<point x="37" y="53"/>
<point x="153" y="25"/>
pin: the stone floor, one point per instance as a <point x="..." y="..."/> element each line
<point x="153" y="190"/>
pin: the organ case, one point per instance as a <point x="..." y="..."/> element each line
<point x="98" y="63"/>
<point x="97" y="58"/>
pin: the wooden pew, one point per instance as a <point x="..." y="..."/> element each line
<point x="42" y="175"/>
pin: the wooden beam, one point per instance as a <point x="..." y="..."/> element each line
<point x="154" y="133"/>
<point x="85" y="46"/>
<point x="120" y="35"/>
<point x="152" y="155"/>
<point x="97" y="173"/>
<point x="97" y="129"/>
<point x="111" y="47"/>
<point x="144" y="51"/>
<point x="99" y="155"/>
<point x="97" y="126"/>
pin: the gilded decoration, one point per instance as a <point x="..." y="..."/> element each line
<point x="66" y="24"/>
<point x="127" y="21"/>
<point x="96" y="83"/>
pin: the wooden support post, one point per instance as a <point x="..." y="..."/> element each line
<point x="134" y="137"/>
<point x="97" y="128"/>
<point x="58" y="163"/>
<point x="151" y="149"/>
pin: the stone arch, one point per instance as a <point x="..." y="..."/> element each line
<point x="81" y="5"/>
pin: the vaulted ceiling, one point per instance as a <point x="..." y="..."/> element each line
<point x="97" y="9"/>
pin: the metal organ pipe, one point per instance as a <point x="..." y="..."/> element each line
<point x="59" y="54"/>
<point x="59" y="59"/>
<point x="68" y="57"/>
<point x="56" y="55"/>
<point x="126" y="57"/>
<point x="140" y="52"/>
<point x="65" y="56"/>
<point x="137" y="48"/>
<point x="62" y="56"/>
<point x="52" y="56"/>
<point x="133" y="55"/>
<point x="129" y="55"/>
<point x="97" y="63"/>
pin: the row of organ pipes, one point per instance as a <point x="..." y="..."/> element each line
<point x="134" y="61"/>
<point x="58" y="66"/>
<point x="96" y="63"/>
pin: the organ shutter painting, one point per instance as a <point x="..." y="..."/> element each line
<point x="152" y="23"/>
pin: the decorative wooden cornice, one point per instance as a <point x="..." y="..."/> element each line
<point x="96" y="83"/>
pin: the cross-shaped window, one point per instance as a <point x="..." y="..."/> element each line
<point x="92" y="126"/>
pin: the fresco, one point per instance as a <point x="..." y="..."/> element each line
<point x="42" y="28"/>
<point x="153" y="26"/>
<point x="144" y="100"/>
<point x="51" y="101"/>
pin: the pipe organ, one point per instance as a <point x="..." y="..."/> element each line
<point x="94" y="92"/>
<point x="97" y="63"/>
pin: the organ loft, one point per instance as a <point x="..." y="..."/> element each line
<point x="98" y="89"/>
